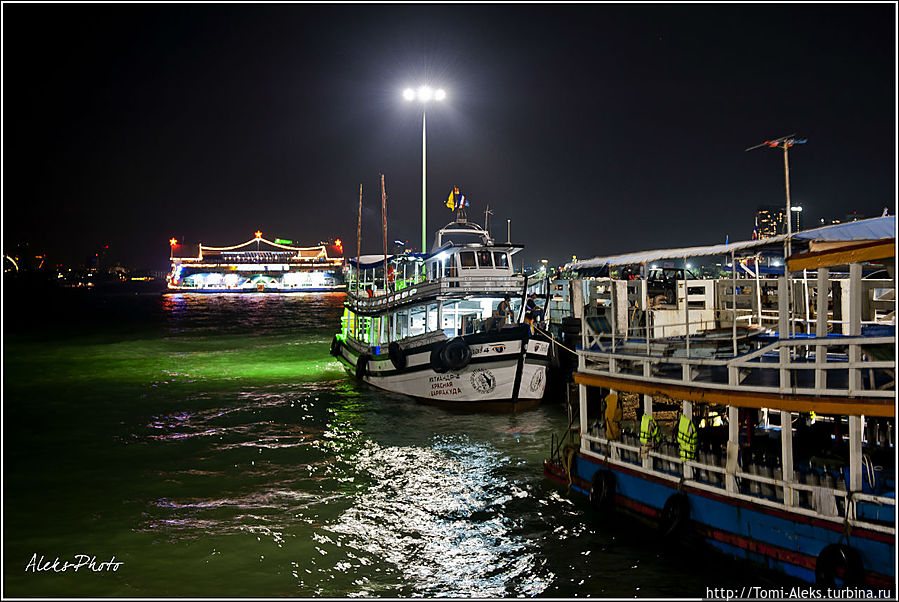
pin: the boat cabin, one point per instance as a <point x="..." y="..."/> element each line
<point x="455" y="289"/>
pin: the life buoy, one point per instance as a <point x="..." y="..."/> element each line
<point x="602" y="490"/>
<point x="362" y="365"/>
<point x="335" y="347"/>
<point x="437" y="364"/>
<point x="397" y="355"/>
<point x="839" y="561"/>
<point x="456" y="354"/>
<point x="675" y="516"/>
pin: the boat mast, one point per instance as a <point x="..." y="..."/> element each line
<point x="359" y="242"/>
<point x="386" y="280"/>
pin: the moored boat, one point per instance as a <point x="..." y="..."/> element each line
<point x="778" y="447"/>
<point x="444" y="327"/>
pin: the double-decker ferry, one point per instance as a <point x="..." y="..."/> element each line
<point x="256" y="266"/>
<point x="760" y="416"/>
<point x="446" y="327"/>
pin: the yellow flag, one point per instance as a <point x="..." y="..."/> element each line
<point x="451" y="201"/>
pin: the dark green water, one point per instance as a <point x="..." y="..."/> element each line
<point x="212" y="446"/>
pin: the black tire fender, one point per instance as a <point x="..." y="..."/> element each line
<point x="437" y="364"/>
<point x="602" y="490"/>
<point x="362" y="365"/>
<point x="397" y="355"/>
<point x="456" y="354"/>
<point x="675" y="516"/>
<point x="335" y="347"/>
<point x="839" y="561"/>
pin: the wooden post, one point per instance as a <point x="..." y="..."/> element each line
<point x="733" y="283"/>
<point x="855" y="324"/>
<point x="786" y="455"/>
<point x="733" y="438"/>
<point x="582" y="403"/>
<point x="783" y="318"/>
<point x="855" y="452"/>
<point x="821" y="329"/>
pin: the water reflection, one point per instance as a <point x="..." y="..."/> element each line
<point x="438" y="515"/>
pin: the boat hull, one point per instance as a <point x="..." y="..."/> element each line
<point x="783" y="541"/>
<point x="341" y="288"/>
<point x="505" y="372"/>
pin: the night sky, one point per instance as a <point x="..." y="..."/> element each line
<point x="597" y="129"/>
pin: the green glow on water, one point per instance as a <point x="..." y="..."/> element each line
<point x="171" y="362"/>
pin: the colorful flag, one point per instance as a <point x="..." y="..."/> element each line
<point x="451" y="201"/>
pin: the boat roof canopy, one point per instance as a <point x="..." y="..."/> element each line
<point x="871" y="229"/>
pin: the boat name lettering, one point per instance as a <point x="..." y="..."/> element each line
<point x="488" y="349"/>
<point x="443" y="377"/>
<point x="438" y="389"/>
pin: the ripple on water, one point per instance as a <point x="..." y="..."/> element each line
<point x="424" y="513"/>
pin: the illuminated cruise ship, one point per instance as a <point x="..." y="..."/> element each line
<point x="258" y="265"/>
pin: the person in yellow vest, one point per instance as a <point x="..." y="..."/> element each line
<point x="686" y="439"/>
<point x="613" y="417"/>
<point x="649" y="431"/>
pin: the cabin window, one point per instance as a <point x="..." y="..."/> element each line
<point x="400" y="325"/>
<point x="449" y="268"/>
<point x="466" y="259"/>
<point x="500" y="259"/>
<point x="484" y="259"/>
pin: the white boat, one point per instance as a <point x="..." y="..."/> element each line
<point x="425" y="325"/>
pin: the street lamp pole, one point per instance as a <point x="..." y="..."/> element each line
<point x="424" y="179"/>
<point x="424" y="95"/>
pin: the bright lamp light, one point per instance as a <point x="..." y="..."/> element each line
<point x="409" y="94"/>
<point x="440" y="94"/>
<point x="425" y="93"/>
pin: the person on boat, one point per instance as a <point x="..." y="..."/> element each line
<point x="503" y="312"/>
<point x="532" y="311"/>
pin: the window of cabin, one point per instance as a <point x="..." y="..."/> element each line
<point x="500" y="259"/>
<point x="484" y="259"/>
<point x="466" y="259"/>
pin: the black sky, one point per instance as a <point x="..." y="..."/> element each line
<point x="595" y="128"/>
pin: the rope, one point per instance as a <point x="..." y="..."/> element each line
<point x="553" y="339"/>
<point x="567" y="457"/>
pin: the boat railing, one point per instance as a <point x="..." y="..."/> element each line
<point x="753" y="484"/>
<point x="841" y="366"/>
<point x="460" y="285"/>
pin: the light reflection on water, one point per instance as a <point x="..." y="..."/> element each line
<point x="211" y="443"/>
<point x="437" y="514"/>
